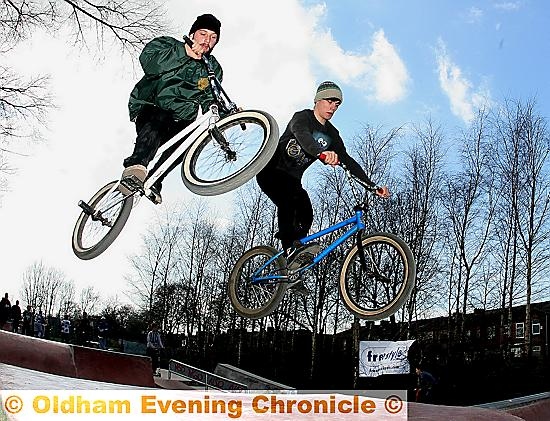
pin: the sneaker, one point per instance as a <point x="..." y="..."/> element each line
<point x="299" y="288"/>
<point x="155" y="196"/>
<point x="302" y="256"/>
<point x="138" y="172"/>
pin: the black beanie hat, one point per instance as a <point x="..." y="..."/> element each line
<point x="206" y="21"/>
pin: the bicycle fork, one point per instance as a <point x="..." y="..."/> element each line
<point x="217" y="135"/>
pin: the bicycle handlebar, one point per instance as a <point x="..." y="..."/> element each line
<point x="373" y="189"/>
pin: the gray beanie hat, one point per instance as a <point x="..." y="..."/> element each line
<point x="328" y="90"/>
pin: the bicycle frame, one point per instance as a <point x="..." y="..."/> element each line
<point x="357" y="225"/>
<point x="190" y="133"/>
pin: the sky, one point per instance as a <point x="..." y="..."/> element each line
<point x="397" y="62"/>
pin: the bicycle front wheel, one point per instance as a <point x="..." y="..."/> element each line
<point x="225" y="158"/>
<point x="92" y="236"/>
<point x="377" y="284"/>
<point x="256" y="300"/>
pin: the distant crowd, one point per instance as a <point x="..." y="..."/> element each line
<point x="82" y="331"/>
<point x="87" y="331"/>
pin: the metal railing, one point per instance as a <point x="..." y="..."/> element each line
<point x="206" y="379"/>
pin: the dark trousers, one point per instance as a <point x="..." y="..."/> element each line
<point x="155" y="356"/>
<point x="154" y="127"/>
<point x="294" y="211"/>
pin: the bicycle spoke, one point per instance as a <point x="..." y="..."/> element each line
<point x="381" y="282"/>
<point x="255" y="294"/>
<point x="256" y="299"/>
<point x="216" y="163"/>
<point x="95" y="230"/>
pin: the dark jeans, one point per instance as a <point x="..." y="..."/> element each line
<point x="294" y="211"/>
<point x="154" y="127"/>
<point x="155" y="355"/>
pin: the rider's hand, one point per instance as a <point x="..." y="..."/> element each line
<point x="330" y="158"/>
<point x="198" y="49"/>
<point x="382" y="192"/>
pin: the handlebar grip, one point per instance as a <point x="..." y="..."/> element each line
<point x="188" y="40"/>
<point x="204" y="58"/>
<point x="322" y="156"/>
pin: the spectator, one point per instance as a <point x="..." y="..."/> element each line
<point x="5" y="310"/>
<point x="39" y="325"/>
<point x="103" y="331"/>
<point x="28" y="317"/>
<point x="425" y="385"/>
<point x="15" y="317"/>
<point x="65" y="329"/>
<point x="154" y="346"/>
<point x="83" y="334"/>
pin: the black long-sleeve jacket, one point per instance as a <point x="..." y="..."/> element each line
<point x="304" y="139"/>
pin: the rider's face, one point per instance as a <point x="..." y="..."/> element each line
<point x="206" y="39"/>
<point x="325" y="108"/>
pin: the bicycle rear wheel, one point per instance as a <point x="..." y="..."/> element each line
<point x="256" y="300"/>
<point x="240" y="146"/>
<point x="381" y="288"/>
<point x="92" y="237"/>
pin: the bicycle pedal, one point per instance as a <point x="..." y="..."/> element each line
<point x="132" y="183"/>
<point x="298" y="287"/>
<point x="301" y="261"/>
<point x="85" y="207"/>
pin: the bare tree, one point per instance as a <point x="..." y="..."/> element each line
<point x="130" y="23"/>
<point x="89" y="299"/>
<point x="33" y="280"/>
<point x="25" y="101"/>
<point x="154" y="267"/>
<point x="415" y="215"/>
<point x="526" y="145"/>
<point x="198" y="272"/>
<point x="67" y="301"/>
<point x="41" y="286"/>
<point x="470" y="208"/>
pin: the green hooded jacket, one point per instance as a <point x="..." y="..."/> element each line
<point x="173" y="81"/>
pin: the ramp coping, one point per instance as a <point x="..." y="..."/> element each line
<point x="515" y="402"/>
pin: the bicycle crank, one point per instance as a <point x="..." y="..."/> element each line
<point x="96" y="216"/>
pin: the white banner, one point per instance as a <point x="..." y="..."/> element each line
<point x="383" y="357"/>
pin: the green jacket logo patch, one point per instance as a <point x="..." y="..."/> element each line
<point x="202" y="84"/>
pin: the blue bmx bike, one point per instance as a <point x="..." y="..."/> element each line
<point x="376" y="278"/>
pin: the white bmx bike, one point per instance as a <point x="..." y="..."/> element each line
<point x="219" y="155"/>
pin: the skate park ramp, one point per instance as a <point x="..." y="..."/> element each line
<point x="75" y="361"/>
<point x="17" y="378"/>
<point x="31" y="363"/>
